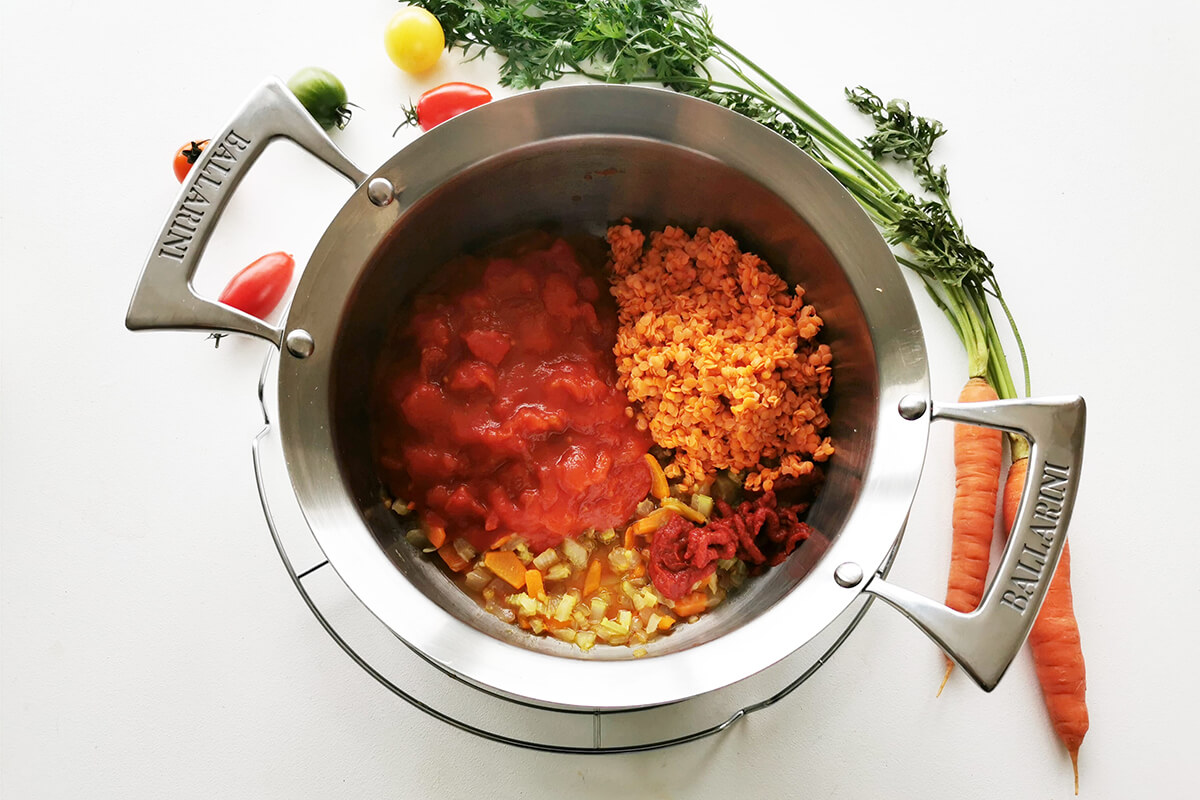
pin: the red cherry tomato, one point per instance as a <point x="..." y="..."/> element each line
<point x="448" y="100"/>
<point x="258" y="288"/>
<point x="186" y="156"/>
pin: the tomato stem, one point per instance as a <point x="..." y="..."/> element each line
<point x="193" y="152"/>
<point x="411" y="117"/>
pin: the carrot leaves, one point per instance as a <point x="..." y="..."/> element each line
<point x="673" y="43"/>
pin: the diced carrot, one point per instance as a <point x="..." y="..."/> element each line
<point x="649" y="523"/>
<point x="639" y="570"/>
<point x="630" y="538"/>
<point x="684" y="510"/>
<point x="694" y="603"/>
<point x="592" y="582"/>
<point x="524" y="623"/>
<point x="500" y="542"/>
<point x="452" y="558"/>
<point x="658" y="478"/>
<point x="665" y="622"/>
<point x="533" y="584"/>
<point x="437" y="535"/>
<point x="507" y="566"/>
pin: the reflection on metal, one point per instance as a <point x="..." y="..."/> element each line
<point x="913" y="406"/>
<point x="380" y="191"/>
<point x="848" y="575"/>
<point x="300" y="343"/>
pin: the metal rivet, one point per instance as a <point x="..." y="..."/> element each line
<point x="913" y="406"/>
<point x="380" y="191"/>
<point x="299" y="343"/>
<point x="848" y="574"/>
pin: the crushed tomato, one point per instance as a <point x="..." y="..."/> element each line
<point x="497" y="409"/>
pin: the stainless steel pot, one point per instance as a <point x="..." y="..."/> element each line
<point x="580" y="157"/>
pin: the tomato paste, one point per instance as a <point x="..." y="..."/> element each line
<point x="497" y="408"/>
<point x="758" y="532"/>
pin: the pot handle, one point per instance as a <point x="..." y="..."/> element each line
<point x="985" y="641"/>
<point x="164" y="297"/>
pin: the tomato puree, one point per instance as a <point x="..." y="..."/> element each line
<point x="759" y="532"/>
<point x="497" y="410"/>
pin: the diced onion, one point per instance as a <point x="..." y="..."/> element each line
<point x="477" y="579"/>
<point x="546" y="558"/>
<point x="599" y="606"/>
<point x="565" y="607"/>
<point x="526" y="605"/>
<point x="464" y="549"/>
<point x="621" y="559"/>
<point x="576" y="553"/>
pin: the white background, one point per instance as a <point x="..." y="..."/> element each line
<point x="153" y="645"/>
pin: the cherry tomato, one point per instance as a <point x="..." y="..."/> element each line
<point x="414" y="39"/>
<point x="323" y="95"/>
<point x="446" y="101"/>
<point x="186" y="156"/>
<point x="258" y="288"/>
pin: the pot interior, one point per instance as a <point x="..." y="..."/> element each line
<point x="582" y="184"/>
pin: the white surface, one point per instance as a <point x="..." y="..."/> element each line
<point x="152" y="645"/>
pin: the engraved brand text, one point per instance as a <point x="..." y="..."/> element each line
<point x="1031" y="566"/>
<point x="200" y="197"/>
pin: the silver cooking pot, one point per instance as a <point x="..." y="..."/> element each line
<point x="581" y="157"/>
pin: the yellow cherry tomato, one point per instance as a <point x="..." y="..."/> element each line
<point x="414" y="39"/>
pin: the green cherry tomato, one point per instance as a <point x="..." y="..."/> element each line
<point x="319" y="91"/>
<point x="414" y="39"/>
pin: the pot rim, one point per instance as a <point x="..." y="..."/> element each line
<point x="305" y="413"/>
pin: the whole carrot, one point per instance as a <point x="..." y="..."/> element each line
<point x="1054" y="640"/>
<point x="977" y="456"/>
